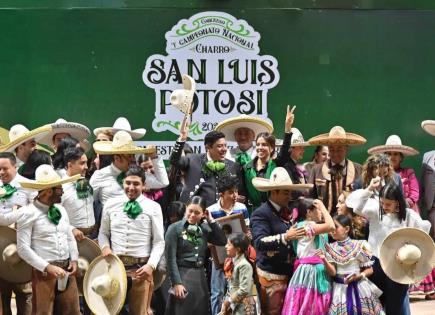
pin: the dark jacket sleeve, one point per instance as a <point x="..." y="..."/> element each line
<point x="180" y="162"/>
<point x="171" y="241"/>
<point x="215" y="235"/>
<point x="283" y="155"/>
<point x="262" y="234"/>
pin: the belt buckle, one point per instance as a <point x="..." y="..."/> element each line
<point x="199" y="263"/>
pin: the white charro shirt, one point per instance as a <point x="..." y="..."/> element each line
<point x="141" y="237"/>
<point x="105" y="185"/>
<point x="20" y="198"/>
<point x="80" y="211"/>
<point x="39" y="241"/>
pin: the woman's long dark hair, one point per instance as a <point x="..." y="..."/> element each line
<point x="57" y="157"/>
<point x="345" y="221"/>
<point x="35" y="159"/>
<point x="304" y="204"/>
<point x="392" y="192"/>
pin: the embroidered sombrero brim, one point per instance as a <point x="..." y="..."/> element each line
<point x="230" y="125"/>
<point x="262" y="184"/>
<point x="300" y="144"/>
<point x="38" y="185"/>
<point x="98" y="267"/>
<point x="135" y="133"/>
<point x="107" y="147"/>
<point x="75" y="130"/>
<point x="393" y="269"/>
<point x="429" y="126"/>
<point x="348" y="139"/>
<point x="37" y="134"/>
<point x="20" y="272"/>
<point x="404" y="149"/>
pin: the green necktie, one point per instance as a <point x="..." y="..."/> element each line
<point x="54" y="214"/>
<point x="215" y="166"/>
<point x="10" y="190"/>
<point x="120" y="179"/>
<point x="243" y="158"/>
<point x="132" y="209"/>
<point x="83" y="188"/>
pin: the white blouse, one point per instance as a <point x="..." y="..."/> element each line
<point x="365" y="203"/>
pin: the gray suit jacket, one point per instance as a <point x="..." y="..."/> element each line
<point x="428" y="180"/>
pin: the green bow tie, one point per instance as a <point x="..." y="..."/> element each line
<point x="194" y="234"/>
<point x="54" y="215"/>
<point x="243" y="158"/>
<point x="10" y="190"/>
<point x="215" y="166"/>
<point x="83" y="188"/>
<point x="132" y="209"/>
<point x="120" y="179"/>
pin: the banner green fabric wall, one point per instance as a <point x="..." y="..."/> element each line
<point x="371" y="71"/>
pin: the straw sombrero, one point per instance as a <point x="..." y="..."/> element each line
<point x="230" y="125"/>
<point x="75" y="130"/>
<point x="88" y="251"/>
<point x="393" y="144"/>
<point x="122" y="123"/>
<point x="429" y="126"/>
<point x="105" y="285"/>
<point x="279" y="180"/>
<point x="182" y="98"/>
<point x="122" y="144"/>
<point x="46" y="177"/>
<point x="337" y="136"/>
<point x="12" y="267"/>
<point x="20" y="134"/>
<point x="407" y="255"/>
<point x="298" y="139"/>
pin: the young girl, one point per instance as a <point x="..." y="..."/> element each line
<point x="308" y="291"/>
<point x="349" y="262"/>
<point x="239" y="299"/>
<point x="385" y="213"/>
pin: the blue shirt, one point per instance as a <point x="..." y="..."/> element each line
<point x="217" y="212"/>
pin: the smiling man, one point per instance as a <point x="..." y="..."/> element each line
<point x="132" y="228"/>
<point x="202" y="171"/>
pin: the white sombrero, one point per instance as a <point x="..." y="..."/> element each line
<point x="429" y="126"/>
<point x="407" y="255"/>
<point x="75" y="130"/>
<point x="182" y="98"/>
<point x="12" y="267"/>
<point x="88" y="251"/>
<point x="279" y="180"/>
<point x="337" y="136"/>
<point x="122" y="123"/>
<point x="46" y="177"/>
<point x="230" y="125"/>
<point x="393" y="144"/>
<point x="122" y="144"/>
<point x="20" y="134"/>
<point x="298" y="139"/>
<point x="105" y="285"/>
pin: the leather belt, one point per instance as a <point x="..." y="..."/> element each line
<point x="191" y="264"/>
<point x="87" y="231"/>
<point x="130" y="260"/>
<point x="60" y="263"/>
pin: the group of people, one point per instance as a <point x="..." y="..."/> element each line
<point x="311" y="240"/>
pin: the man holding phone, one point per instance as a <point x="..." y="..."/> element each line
<point x="272" y="232"/>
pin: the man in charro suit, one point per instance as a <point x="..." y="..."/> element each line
<point x="203" y="170"/>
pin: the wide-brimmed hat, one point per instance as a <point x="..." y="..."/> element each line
<point x="279" y="180"/>
<point x="393" y="144"/>
<point x="298" y="139"/>
<point x="407" y="255"/>
<point x="46" y="177"/>
<point x="337" y="136"/>
<point x="75" y="130"/>
<point x="122" y="144"/>
<point x="230" y="125"/>
<point x="182" y="98"/>
<point x="88" y="251"/>
<point x="429" y="126"/>
<point x="12" y="267"/>
<point x="19" y="134"/>
<point x="122" y="123"/>
<point x="105" y="285"/>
